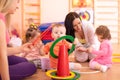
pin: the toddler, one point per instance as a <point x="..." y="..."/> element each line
<point x="58" y="30"/>
<point x="35" y="56"/>
<point x="103" y="59"/>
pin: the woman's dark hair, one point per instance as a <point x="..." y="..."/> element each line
<point x="31" y="33"/>
<point x="103" y="31"/>
<point x="70" y="17"/>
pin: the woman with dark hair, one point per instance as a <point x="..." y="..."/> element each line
<point x="84" y="32"/>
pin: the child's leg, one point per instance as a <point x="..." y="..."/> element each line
<point x="74" y="66"/>
<point x="96" y="65"/>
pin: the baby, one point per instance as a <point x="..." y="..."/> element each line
<point x="58" y="30"/>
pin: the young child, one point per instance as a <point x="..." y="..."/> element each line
<point x="103" y="59"/>
<point x="35" y="55"/>
<point x="58" y="30"/>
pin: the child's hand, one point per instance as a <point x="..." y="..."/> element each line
<point x="76" y="41"/>
<point x="89" y="50"/>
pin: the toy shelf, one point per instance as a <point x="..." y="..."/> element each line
<point x="30" y="9"/>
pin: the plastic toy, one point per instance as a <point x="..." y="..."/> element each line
<point x="41" y="36"/>
<point x="62" y="72"/>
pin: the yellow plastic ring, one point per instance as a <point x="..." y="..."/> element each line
<point x="48" y="73"/>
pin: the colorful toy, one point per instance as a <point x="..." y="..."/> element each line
<point x="62" y="72"/>
<point x="41" y="36"/>
<point x="84" y="15"/>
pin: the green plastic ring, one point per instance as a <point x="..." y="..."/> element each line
<point x="77" y="76"/>
<point x="57" y="40"/>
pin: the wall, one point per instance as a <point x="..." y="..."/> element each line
<point x="106" y="13"/>
<point x="119" y="21"/>
<point x="16" y="20"/>
<point x="54" y="10"/>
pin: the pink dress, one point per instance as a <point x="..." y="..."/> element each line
<point x="104" y="54"/>
<point x="35" y="54"/>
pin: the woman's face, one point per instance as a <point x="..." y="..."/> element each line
<point x="13" y="6"/>
<point x="77" y="24"/>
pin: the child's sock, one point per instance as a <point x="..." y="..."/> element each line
<point x="104" y="68"/>
<point x="74" y="66"/>
<point x="71" y="65"/>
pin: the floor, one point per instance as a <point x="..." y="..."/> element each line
<point x="112" y="74"/>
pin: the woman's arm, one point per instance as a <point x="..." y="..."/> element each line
<point x="13" y="50"/>
<point x="4" y="71"/>
<point x="91" y="37"/>
<point x="27" y="47"/>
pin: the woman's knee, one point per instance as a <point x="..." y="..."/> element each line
<point x="81" y="57"/>
<point x="30" y="67"/>
<point x="15" y="60"/>
<point x="22" y="70"/>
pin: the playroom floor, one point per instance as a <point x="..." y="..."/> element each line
<point x="112" y="74"/>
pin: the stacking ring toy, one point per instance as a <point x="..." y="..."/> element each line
<point x="73" y="75"/>
<point x="77" y="76"/>
<point x="59" y="39"/>
<point x="52" y="74"/>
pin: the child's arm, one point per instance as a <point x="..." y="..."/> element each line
<point x="44" y="50"/>
<point x="75" y="42"/>
<point x="40" y="46"/>
<point x="41" y="51"/>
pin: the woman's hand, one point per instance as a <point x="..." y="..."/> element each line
<point x="27" y="47"/>
<point x="81" y="48"/>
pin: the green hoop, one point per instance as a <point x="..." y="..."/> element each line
<point x="57" y="40"/>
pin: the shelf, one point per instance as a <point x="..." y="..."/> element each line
<point x="30" y="4"/>
<point x="32" y="13"/>
<point x="30" y="9"/>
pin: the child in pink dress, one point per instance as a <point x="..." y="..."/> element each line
<point x="103" y="59"/>
<point x="35" y="55"/>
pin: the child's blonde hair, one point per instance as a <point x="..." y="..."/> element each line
<point x="31" y="33"/>
<point x="57" y="25"/>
